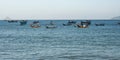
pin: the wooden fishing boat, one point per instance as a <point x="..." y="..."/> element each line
<point x="82" y="26"/>
<point x="35" y="24"/>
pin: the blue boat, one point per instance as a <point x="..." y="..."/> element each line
<point x="23" y="22"/>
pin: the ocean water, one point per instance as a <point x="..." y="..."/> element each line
<point x="62" y="43"/>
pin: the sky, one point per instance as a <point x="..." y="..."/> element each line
<point x="59" y="9"/>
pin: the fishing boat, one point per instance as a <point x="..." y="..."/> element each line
<point x="100" y="24"/>
<point x="35" y="24"/>
<point x="51" y="25"/>
<point x="87" y="22"/>
<point x="9" y="20"/>
<point x="70" y="22"/>
<point x="23" y="22"/>
<point x="82" y="25"/>
<point x="12" y="21"/>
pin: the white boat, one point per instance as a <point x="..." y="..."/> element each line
<point x="70" y="22"/>
<point x="51" y="25"/>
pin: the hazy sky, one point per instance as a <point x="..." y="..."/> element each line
<point x="59" y="9"/>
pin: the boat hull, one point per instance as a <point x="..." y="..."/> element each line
<point x="82" y="26"/>
<point x="50" y="27"/>
<point x="100" y="24"/>
<point x="35" y="25"/>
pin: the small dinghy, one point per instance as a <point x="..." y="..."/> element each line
<point x="100" y="24"/>
<point x="35" y="24"/>
<point x="51" y="25"/>
<point x="23" y="22"/>
<point x="70" y="22"/>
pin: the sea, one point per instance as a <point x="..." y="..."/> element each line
<point x="61" y="43"/>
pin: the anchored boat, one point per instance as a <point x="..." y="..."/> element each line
<point x="100" y="24"/>
<point x="12" y="21"/>
<point x="23" y="22"/>
<point x="9" y="20"/>
<point x="70" y="22"/>
<point x="83" y="24"/>
<point x="35" y="24"/>
<point x="51" y="25"/>
<point x="87" y="22"/>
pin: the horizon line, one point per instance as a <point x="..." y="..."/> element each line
<point x="61" y="19"/>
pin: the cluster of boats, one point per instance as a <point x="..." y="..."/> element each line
<point x="36" y="24"/>
<point x="82" y="24"/>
